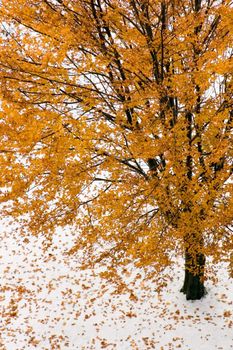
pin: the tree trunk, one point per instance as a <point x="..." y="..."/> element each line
<point x="193" y="286"/>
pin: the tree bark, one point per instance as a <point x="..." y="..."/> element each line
<point x="193" y="286"/>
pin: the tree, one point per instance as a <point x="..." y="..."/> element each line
<point x="116" y="117"/>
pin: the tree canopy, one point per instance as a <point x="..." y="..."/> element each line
<point x="116" y="118"/>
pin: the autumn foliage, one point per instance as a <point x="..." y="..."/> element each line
<point x="116" y="118"/>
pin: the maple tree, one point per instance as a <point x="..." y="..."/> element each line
<point x="116" y="118"/>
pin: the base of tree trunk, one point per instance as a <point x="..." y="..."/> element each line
<point x="193" y="286"/>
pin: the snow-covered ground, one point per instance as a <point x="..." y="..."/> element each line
<point x="47" y="303"/>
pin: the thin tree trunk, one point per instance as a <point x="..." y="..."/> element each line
<point x="193" y="286"/>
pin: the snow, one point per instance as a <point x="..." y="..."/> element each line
<point x="46" y="302"/>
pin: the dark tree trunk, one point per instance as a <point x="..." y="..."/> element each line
<point x="193" y="286"/>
